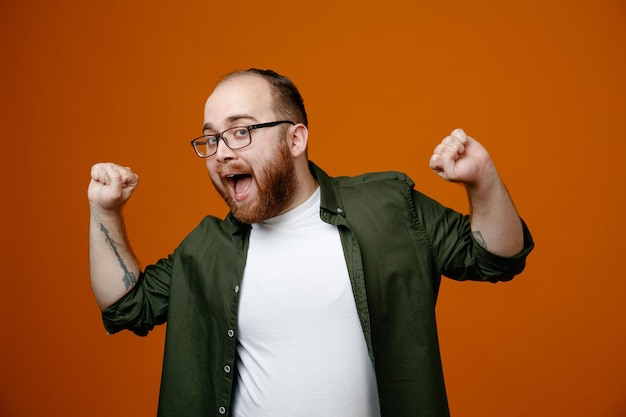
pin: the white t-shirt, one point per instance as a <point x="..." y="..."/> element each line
<point x="301" y="348"/>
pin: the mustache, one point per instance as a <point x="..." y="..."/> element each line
<point x="233" y="166"/>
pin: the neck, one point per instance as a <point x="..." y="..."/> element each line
<point x="306" y="184"/>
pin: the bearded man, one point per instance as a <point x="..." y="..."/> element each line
<point x="315" y="296"/>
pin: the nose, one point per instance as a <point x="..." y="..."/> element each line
<point x="224" y="153"/>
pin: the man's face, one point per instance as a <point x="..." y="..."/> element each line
<point x="258" y="181"/>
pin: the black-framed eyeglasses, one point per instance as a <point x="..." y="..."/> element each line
<point x="235" y="138"/>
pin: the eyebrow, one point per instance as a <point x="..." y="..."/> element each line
<point x="231" y="119"/>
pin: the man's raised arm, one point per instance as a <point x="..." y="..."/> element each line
<point x="114" y="269"/>
<point x="494" y="220"/>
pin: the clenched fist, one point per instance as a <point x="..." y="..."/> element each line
<point x="460" y="158"/>
<point x="111" y="186"/>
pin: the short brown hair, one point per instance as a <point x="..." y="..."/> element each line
<point x="288" y="102"/>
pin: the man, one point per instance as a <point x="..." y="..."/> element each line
<point x="316" y="295"/>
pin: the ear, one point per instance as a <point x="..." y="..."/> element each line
<point x="298" y="136"/>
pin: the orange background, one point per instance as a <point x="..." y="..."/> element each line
<point x="540" y="83"/>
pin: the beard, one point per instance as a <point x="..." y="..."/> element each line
<point x="276" y="186"/>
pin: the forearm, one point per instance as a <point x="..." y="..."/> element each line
<point x="114" y="269"/>
<point x="495" y="223"/>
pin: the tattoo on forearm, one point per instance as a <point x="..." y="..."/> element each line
<point x="478" y="237"/>
<point x="129" y="278"/>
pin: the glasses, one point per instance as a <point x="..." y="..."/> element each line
<point x="235" y="138"/>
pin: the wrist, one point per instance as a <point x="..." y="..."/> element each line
<point x="486" y="182"/>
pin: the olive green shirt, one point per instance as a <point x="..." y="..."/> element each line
<point x="397" y="244"/>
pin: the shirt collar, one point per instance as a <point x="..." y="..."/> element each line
<point x="330" y="199"/>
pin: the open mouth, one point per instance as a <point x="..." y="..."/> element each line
<point x="240" y="185"/>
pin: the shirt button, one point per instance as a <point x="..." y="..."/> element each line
<point x="236" y="288"/>
<point x="231" y="333"/>
<point x="227" y="369"/>
<point x="222" y="410"/>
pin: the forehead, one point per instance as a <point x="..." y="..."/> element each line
<point x="242" y="97"/>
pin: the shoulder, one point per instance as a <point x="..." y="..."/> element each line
<point x="358" y="180"/>
<point x="376" y="190"/>
<point x="365" y="190"/>
<point x="220" y="231"/>
<point x="375" y="181"/>
<point x="374" y="178"/>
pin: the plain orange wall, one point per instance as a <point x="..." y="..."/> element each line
<point x="540" y="83"/>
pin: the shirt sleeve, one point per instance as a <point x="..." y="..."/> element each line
<point x="457" y="255"/>
<point x="146" y="305"/>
